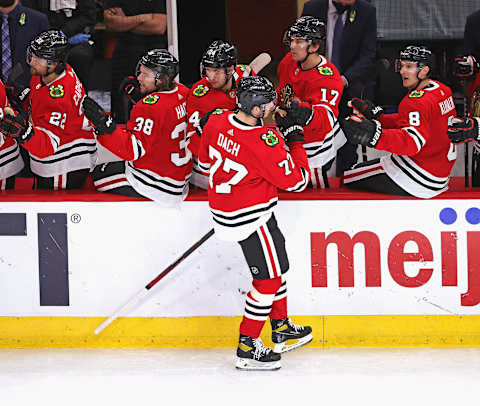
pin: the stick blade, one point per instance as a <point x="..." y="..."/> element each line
<point x="260" y="62"/>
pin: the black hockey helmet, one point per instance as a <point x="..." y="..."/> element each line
<point x="419" y="54"/>
<point x="219" y="54"/>
<point x="161" y="62"/>
<point x="51" y="45"/>
<point x="254" y="91"/>
<point x="306" y="27"/>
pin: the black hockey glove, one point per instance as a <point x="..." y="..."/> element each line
<point x="203" y="121"/>
<point x="17" y="94"/>
<point x="291" y="131"/>
<point x="465" y="67"/>
<point x="463" y="130"/>
<point x="131" y="88"/>
<point x="17" y="127"/>
<point x="361" y="131"/>
<point x="301" y="113"/>
<point x="365" y="108"/>
<point x="103" y="122"/>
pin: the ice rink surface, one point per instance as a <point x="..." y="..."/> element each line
<point x="197" y="376"/>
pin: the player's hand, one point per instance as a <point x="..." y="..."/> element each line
<point x="17" y="127"/>
<point x="365" y="108"/>
<point x="290" y="130"/>
<point x="131" y="88"/>
<point x="463" y="130"/>
<point x="465" y="67"/>
<point x="103" y="122"/>
<point x="361" y="131"/>
<point x="301" y="112"/>
<point x="17" y="94"/>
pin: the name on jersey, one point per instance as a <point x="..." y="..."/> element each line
<point x="228" y="145"/>
<point x="181" y="110"/>
<point x="447" y="105"/>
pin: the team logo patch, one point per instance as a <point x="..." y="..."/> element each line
<point x="270" y="138"/>
<point x="286" y="95"/>
<point x="217" y="112"/>
<point x="151" y="99"/>
<point x="56" y="91"/>
<point x="325" y="71"/>
<point x="416" y="94"/>
<point x="254" y="270"/>
<point x="242" y="67"/>
<point x="200" y="90"/>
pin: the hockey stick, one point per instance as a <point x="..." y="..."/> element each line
<point x="466" y="150"/>
<point x="259" y="62"/>
<point x="134" y="300"/>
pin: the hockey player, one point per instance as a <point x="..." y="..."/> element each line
<point x="62" y="146"/>
<point x="248" y="161"/>
<point x="421" y="154"/>
<point x="312" y="87"/>
<point x="217" y="89"/>
<point x="11" y="162"/>
<point x="153" y="144"/>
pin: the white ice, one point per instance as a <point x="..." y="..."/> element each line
<point x="197" y="376"/>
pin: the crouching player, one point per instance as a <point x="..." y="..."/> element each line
<point x="248" y="161"/>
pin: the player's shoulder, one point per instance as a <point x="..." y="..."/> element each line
<point x="326" y="69"/>
<point x="200" y="89"/>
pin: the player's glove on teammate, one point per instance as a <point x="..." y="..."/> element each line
<point x="361" y="131"/>
<point x="103" y="122"/>
<point x="203" y="121"/>
<point x="365" y="108"/>
<point x="290" y="129"/>
<point x="463" y="130"/>
<point x="131" y="88"/>
<point x="17" y="127"/>
<point x="465" y="66"/>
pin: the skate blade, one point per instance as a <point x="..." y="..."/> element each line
<point x="280" y="348"/>
<point x="252" y="365"/>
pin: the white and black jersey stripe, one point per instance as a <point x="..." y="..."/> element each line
<point x="200" y="173"/>
<point x="11" y="161"/>
<point x="416" y="136"/>
<point x="161" y="189"/>
<point x="78" y="154"/>
<point x="300" y="186"/>
<point x="137" y="148"/>
<point x="412" y="178"/>
<point x="282" y="291"/>
<point x="239" y="224"/>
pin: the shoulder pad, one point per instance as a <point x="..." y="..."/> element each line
<point x="56" y="91"/>
<point x="270" y="138"/>
<point x="200" y="90"/>
<point x="151" y="99"/>
<point x="325" y="70"/>
<point x="416" y="94"/>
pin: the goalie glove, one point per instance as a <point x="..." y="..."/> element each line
<point x="17" y="127"/>
<point x="361" y="131"/>
<point x="131" y="88"/>
<point x="365" y="108"/>
<point x="301" y="112"/>
<point x="465" y="67"/>
<point x="103" y="122"/>
<point x="463" y="130"/>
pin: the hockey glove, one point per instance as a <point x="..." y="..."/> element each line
<point x="17" y="94"/>
<point x="465" y="67"/>
<point x="463" y="130"/>
<point x="17" y="127"/>
<point x="131" y="88"/>
<point x="301" y="112"/>
<point x="365" y="108"/>
<point x="291" y="131"/>
<point x="361" y="131"/>
<point x="103" y="122"/>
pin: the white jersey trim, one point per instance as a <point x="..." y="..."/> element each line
<point x="11" y="161"/>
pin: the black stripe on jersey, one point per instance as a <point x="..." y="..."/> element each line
<point x="141" y="180"/>
<point x="421" y="175"/>
<point x="10" y="160"/>
<point x="416" y="136"/>
<point x="247" y="213"/>
<point x="240" y="223"/>
<point x="323" y="147"/>
<point x="256" y="314"/>
<point x="303" y="183"/>
<point x="12" y="151"/>
<point x="156" y="180"/>
<point x="51" y="161"/>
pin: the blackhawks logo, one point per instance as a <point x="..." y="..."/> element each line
<point x="56" y="91"/>
<point x="151" y="99"/>
<point x="200" y="90"/>
<point x="286" y="95"/>
<point x="217" y="112"/>
<point x="325" y="71"/>
<point x="242" y="67"/>
<point x="270" y="138"/>
<point x="416" y="94"/>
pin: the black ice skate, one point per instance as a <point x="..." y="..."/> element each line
<point x="253" y="355"/>
<point x="288" y="336"/>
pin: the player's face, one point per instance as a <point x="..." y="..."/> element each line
<point x="38" y="66"/>
<point x="146" y="79"/>
<point x="217" y="77"/>
<point x="298" y="48"/>
<point x="409" y="74"/>
<point x="269" y="108"/>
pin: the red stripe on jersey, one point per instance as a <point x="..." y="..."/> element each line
<point x="369" y="169"/>
<point x="99" y="184"/>
<point x="269" y="249"/>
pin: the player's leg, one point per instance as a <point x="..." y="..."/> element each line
<point x="110" y="178"/>
<point x="7" y="183"/>
<point x="319" y="178"/>
<point x="66" y="181"/>
<point x="476" y="166"/>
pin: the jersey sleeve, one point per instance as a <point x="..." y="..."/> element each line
<point x="195" y="113"/>
<point x="389" y="120"/>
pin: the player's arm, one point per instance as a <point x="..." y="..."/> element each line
<point x="115" y="20"/>
<point x="156" y="25"/>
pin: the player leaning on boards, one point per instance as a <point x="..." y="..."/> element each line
<point x="153" y="144"/>
<point x="217" y="89"/>
<point x="421" y="156"/>
<point x="62" y="146"/>
<point x="248" y="161"/>
<point x="311" y="87"/>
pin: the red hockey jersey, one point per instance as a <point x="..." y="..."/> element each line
<point x="201" y="99"/>
<point x="11" y="161"/>
<point x="422" y="155"/>
<point x="247" y="164"/>
<point x="63" y="140"/>
<point x="321" y="87"/>
<point x="154" y="145"/>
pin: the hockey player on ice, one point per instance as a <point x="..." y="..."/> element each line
<point x="248" y="161"/>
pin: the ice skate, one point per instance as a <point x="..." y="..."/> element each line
<point x="253" y="355"/>
<point x="287" y="336"/>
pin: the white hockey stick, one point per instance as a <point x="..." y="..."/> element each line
<point x="137" y="298"/>
<point x="259" y="62"/>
